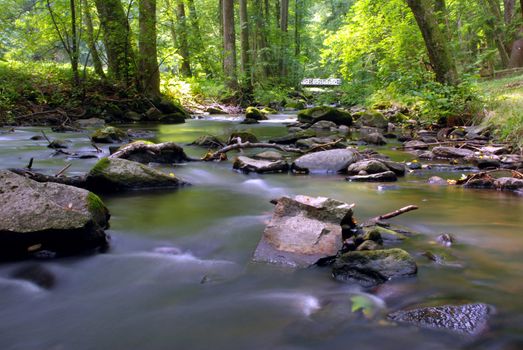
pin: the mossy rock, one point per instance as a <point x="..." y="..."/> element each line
<point x="269" y="110"/>
<point x="371" y="118"/>
<point x="374" y="267"/>
<point x="169" y="107"/>
<point x="113" y="175"/>
<point x="52" y="217"/>
<point x="384" y="233"/>
<point x="296" y="104"/>
<point x="208" y="141"/>
<point x="244" y="136"/>
<point x="316" y="114"/>
<point x="254" y="113"/>
<point x="173" y="118"/>
<point x="109" y="134"/>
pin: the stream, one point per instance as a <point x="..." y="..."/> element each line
<point x="210" y="295"/>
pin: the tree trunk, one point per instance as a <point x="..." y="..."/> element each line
<point x="91" y="40"/>
<point x="297" y="28"/>
<point x="183" y="44"/>
<point x="149" y="74"/>
<point x="260" y="43"/>
<point x="509" y="9"/>
<point x="284" y="26"/>
<point x="74" y="45"/>
<point x="198" y="46"/>
<point x="244" y="39"/>
<point x="117" y="40"/>
<point x="229" y="45"/>
<point x="498" y="31"/>
<point x="439" y="53"/>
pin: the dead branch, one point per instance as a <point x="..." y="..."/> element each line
<point x="79" y="181"/>
<point x="390" y="215"/>
<point x="325" y="145"/>
<point x="242" y="145"/>
<point x="64" y="169"/>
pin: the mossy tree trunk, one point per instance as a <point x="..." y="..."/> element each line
<point x="439" y="53"/>
<point x="244" y="40"/>
<point x="117" y="41"/>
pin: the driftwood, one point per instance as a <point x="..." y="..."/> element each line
<point x="77" y="181"/>
<point x="242" y="145"/>
<point x="390" y="215"/>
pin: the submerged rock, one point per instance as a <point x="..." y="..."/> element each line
<point x="303" y="230"/>
<point x="50" y="217"/>
<point x="468" y="319"/>
<point x="336" y="160"/>
<point x="371" y="268"/>
<point x="320" y="113"/>
<point x="36" y="274"/>
<point x="147" y="152"/>
<point x="248" y="165"/>
<point x="114" y="174"/>
<point x="109" y="134"/>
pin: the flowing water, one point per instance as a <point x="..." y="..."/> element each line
<point x="179" y="274"/>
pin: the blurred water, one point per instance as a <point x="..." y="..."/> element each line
<point x="179" y="274"/>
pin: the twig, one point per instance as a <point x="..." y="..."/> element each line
<point x="30" y="165"/>
<point x="98" y="149"/>
<point x="397" y="212"/>
<point x="45" y="136"/>
<point x="61" y="172"/>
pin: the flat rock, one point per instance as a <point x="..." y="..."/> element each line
<point x="336" y="160"/>
<point x="52" y="217"/>
<point x="247" y="165"/>
<point x="114" y="174"/>
<point x="302" y="230"/>
<point x="387" y="176"/>
<point x="468" y="319"/>
<point x="371" y="268"/>
<point x="147" y="152"/>
<point x="415" y="144"/>
<point x="269" y="155"/>
<point x="451" y="152"/>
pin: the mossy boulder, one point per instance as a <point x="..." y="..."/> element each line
<point x="243" y="135"/>
<point x="385" y="234"/>
<point x="371" y="268"/>
<point x="371" y="118"/>
<point x="48" y="217"/>
<point x="320" y="113"/>
<point x="269" y="110"/>
<point x="114" y="175"/>
<point x="109" y="134"/>
<point x="215" y="110"/>
<point x="168" y="107"/>
<point x="254" y="113"/>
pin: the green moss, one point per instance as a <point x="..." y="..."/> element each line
<point x="386" y="234"/>
<point x="100" y="166"/>
<point x="268" y="110"/>
<point x="95" y="204"/>
<point x="254" y="113"/>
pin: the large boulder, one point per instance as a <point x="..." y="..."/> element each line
<point x="320" y="113"/>
<point x="248" y="165"/>
<point x="109" y="134"/>
<point x="48" y="217"/>
<point x="467" y="319"/>
<point x="147" y="152"/>
<point x="371" y="268"/>
<point x="114" y="174"/>
<point x="336" y="160"/>
<point x="303" y="230"/>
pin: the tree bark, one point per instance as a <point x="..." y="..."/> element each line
<point x="244" y="40"/>
<point x="183" y="44"/>
<point x="439" y="53"/>
<point x="199" y="49"/>
<point x="91" y="40"/>
<point x="297" y="27"/>
<point x="284" y="26"/>
<point x="229" y="45"/>
<point x="260" y="43"/>
<point x="509" y="9"/>
<point x="117" y="40"/>
<point x="74" y="44"/>
<point x="498" y="31"/>
<point x="149" y="74"/>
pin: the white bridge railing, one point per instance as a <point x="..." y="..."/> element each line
<point x="321" y="82"/>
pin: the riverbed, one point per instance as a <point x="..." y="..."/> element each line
<point x="211" y="295"/>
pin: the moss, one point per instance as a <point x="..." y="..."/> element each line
<point x="95" y="204"/>
<point x="254" y="113"/>
<point x="386" y="234"/>
<point x="100" y="166"/>
<point x="268" y="110"/>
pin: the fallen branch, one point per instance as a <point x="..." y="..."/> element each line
<point x="79" y="181"/>
<point x="64" y="169"/>
<point x="238" y="146"/>
<point x="375" y="220"/>
<point x="325" y="145"/>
